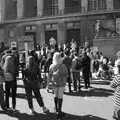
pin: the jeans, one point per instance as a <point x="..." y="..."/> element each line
<point x="37" y="96"/>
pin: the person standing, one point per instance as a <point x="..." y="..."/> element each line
<point x="9" y="68"/>
<point x="58" y="74"/>
<point x="2" y="103"/>
<point x="86" y="69"/>
<point x="76" y="67"/>
<point x="68" y="62"/>
<point x="31" y="82"/>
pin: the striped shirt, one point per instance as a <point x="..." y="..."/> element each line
<point x="116" y="85"/>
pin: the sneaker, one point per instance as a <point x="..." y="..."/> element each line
<point x="45" y="110"/>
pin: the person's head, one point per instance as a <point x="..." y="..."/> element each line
<point x="57" y="58"/>
<point x="105" y="60"/>
<point x="67" y="52"/>
<point x="31" y="52"/>
<point x="118" y="54"/>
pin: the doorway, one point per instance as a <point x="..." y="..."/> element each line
<point x="73" y="34"/>
<point x="49" y="34"/>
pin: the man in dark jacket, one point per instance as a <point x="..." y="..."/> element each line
<point x="68" y="62"/>
<point x="86" y="69"/>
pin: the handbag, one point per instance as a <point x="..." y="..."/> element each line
<point x="8" y="77"/>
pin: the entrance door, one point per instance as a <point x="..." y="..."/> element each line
<point x="73" y="34"/>
<point x="34" y="37"/>
<point x="49" y="34"/>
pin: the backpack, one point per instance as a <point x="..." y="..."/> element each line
<point x="78" y="64"/>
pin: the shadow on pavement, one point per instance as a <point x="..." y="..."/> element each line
<point x="93" y="92"/>
<point x="49" y="116"/>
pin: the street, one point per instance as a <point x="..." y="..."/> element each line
<point x="94" y="104"/>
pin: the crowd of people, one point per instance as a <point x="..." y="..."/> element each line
<point x="60" y="64"/>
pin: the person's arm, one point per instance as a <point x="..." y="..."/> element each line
<point x="49" y="75"/>
<point x="115" y="82"/>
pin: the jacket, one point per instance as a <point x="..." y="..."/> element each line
<point x="58" y="75"/>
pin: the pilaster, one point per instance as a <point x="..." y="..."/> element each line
<point x="40" y="7"/>
<point x="20" y="8"/>
<point x="110" y="4"/>
<point x="61" y="34"/>
<point x="61" y="6"/>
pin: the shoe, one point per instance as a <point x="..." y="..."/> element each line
<point x="14" y="110"/>
<point x="32" y="111"/>
<point x="60" y="115"/>
<point x="45" y="110"/>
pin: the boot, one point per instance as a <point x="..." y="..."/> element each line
<point x="56" y="103"/>
<point x="60" y="113"/>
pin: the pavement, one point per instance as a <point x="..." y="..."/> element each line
<point x="92" y="104"/>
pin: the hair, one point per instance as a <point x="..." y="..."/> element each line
<point x="57" y="58"/>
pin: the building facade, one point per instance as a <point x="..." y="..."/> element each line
<point x="36" y="21"/>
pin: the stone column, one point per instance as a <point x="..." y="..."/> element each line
<point x="40" y="4"/>
<point x="84" y="5"/>
<point x="2" y="10"/>
<point x="61" y="6"/>
<point x="20" y="8"/>
<point x="61" y="32"/>
<point x="110" y="4"/>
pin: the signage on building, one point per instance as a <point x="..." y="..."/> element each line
<point x="30" y="28"/>
<point x="50" y="26"/>
<point x="118" y="25"/>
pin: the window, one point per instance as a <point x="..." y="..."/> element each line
<point x="72" y="6"/>
<point x="101" y="4"/>
<point x="51" y="7"/>
<point x="96" y="4"/>
<point x="72" y="3"/>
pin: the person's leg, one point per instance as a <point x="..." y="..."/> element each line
<point x="60" y="99"/>
<point x="40" y="100"/>
<point x="38" y="97"/>
<point x="29" y="97"/>
<point x="85" y="80"/>
<point x="56" y="100"/>
<point x="2" y="97"/>
<point x="78" y="79"/>
<point x="88" y="79"/>
<point x="74" y="81"/>
<point x="69" y="81"/>
<point x="14" y="92"/>
<point x="7" y="95"/>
